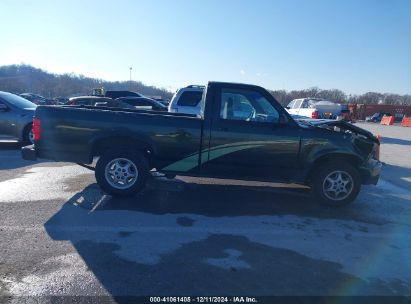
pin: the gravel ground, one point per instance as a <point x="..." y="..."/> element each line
<point x="395" y="152"/>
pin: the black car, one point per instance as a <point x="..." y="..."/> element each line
<point x="61" y="100"/>
<point x="87" y="100"/>
<point x="376" y="117"/>
<point x="118" y="94"/>
<point x="38" y="99"/>
<point x="142" y="103"/>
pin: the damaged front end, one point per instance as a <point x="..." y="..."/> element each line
<point x="363" y="140"/>
<point x="364" y="143"/>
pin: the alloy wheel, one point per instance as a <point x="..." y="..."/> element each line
<point x="121" y="173"/>
<point x="338" y="185"/>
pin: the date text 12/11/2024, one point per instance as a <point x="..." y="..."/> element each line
<point x="203" y="300"/>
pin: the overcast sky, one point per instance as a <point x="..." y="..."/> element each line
<point x="353" y="45"/>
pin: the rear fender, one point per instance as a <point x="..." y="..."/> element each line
<point x="121" y="138"/>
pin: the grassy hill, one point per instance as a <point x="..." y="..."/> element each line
<point x="25" y="78"/>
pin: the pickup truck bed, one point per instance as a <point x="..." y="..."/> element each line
<point x="168" y="135"/>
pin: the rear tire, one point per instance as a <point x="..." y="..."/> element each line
<point x="28" y="137"/>
<point x="336" y="183"/>
<point x="122" y="172"/>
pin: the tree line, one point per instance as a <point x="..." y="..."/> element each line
<point x="28" y="79"/>
<point x="25" y="78"/>
<point x="335" y="95"/>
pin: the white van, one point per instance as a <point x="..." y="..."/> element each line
<point x="187" y="100"/>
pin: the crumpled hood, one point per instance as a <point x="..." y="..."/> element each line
<point x="340" y="124"/>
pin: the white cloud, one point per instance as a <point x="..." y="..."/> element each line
<point x="242" y="72"/>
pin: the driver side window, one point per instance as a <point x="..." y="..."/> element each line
<point x="246" y="105"/>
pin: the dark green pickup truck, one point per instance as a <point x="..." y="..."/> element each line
<point x="242" y="133"/>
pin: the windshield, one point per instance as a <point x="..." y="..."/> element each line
<point x="17" y="101"/>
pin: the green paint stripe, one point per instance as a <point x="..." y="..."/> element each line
<point x="224" y="151"/>
<point x="241" y="143"/>
<point x="183" y="165"/>
<point x="191" y="161"/>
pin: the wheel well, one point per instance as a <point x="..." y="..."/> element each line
<point x="351" y="159"/>
<point x="104" y="144"/>
<point x="25" y="130"/>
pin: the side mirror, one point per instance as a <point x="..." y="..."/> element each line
<point x="3" y="107"/>
<point x="287" y="107"/>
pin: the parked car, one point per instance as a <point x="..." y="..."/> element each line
<point x="187" y="100"/>
<point x="346" y="115"/>
<point x="160" y="99"/>
<point x="376" y="117"/>
<point x="37" y="99"/>
<point x="61" y="100"/>
<point x="332" y="157"/>
<point x="136" y="103"/>
<point x="142" y="103"/>
<point x="87" y="100"/>
<point x="16" y="117"/>
<point x="314" y="108"/>
<point x="118" y="94"/>
<point x="34" y="98"/>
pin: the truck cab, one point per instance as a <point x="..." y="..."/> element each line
<point x="249" y="136"/>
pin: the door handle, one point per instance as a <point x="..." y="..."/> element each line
<point x="222" y="129"/>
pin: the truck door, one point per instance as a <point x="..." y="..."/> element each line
<point x="249" y="138"/>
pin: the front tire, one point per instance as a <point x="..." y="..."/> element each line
<point x="122" y="172"/>
<point x="336" y="183"/>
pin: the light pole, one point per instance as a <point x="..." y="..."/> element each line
<point x="131" y="68"/>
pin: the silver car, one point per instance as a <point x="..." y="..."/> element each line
<point x="16" y="117"/>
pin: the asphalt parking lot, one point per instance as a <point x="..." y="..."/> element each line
<point x="61" y="235"/>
